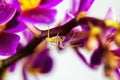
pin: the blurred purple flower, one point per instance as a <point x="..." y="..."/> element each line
<point x="39" y="63"/>
<point x="116" y="52"/>
<point x="14" y="25"/>
<point x="8" y="43"/>
<point x="38" y="15"/>
<point x="45" y="64"/>
<point x="78" y="6"/>
<point x="43" y="13"/>
<point x="12" y="67"/>
<point x="102" y="53"/>
<point x="13" y="20"/>
<point x="7" y="11"/>
<point x="81" y="6"/>
<point x="49" y="3"/>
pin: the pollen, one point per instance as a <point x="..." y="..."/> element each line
<point x="92" y="43"/>
<point x="29" y="4"/>
<point x="111" y="23"/>
<point x="95" y="31"/>
<point x="112" y="60"/>
<point x="0" y="63"/>
<point x="80" y="15"/>
<point x="2" y="28"/>
<point x="117" y="38"/>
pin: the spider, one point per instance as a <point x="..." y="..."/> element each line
<point x="54" y="40"/>
<point x="58" y="41"/>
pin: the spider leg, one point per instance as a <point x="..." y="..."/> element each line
<point x="61" y="44"/>
<point x="57" y="48"/>
<point x="57" y="42"/>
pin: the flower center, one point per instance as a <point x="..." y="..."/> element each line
<point x="29" y="4"/>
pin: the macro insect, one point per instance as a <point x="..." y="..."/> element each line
<point x="54" y="40"/>
<point x="58" y="41"/>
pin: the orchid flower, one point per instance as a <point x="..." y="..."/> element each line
<point x="10" y="22"/>
<point x="38" y="11"/>
<point x="40" y="64"/>
<point x="22" y="12"/>
<point x="105" y="50"/>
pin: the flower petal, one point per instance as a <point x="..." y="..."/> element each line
<point x="14" y="25"/>
<point x="12" y="67"/>
<point x="28" y="35"/>
<point x="85" y="5"/>
<point x="8" y="43"/>
<point x="7" y="12"/>
<point x="16" y="5"/>
<point x="49" y="3"/>
<point x="24" y="73"/>
<point x="38" y="15"/>
<point x="110" y="15"/>
<point x="117" y="70"/>
<point x="97" y="56"/>
<point x="116" y="52"/>
<point x="82" y="57"/>
<point x="81" y="6"/>
<point x="42" y="62"/>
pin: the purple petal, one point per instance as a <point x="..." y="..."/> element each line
<point x="24" y="73"/>
<point x="17" y="28"/>
<point x="81" y="5"/>
<point x="16" y="5"/>
<point x="110" y="15"/>
<point x="49" y="3"/>
<point x="85" y="5"/>
<point x="109" y="33"/>
<point x="6" y="12"/>
<point x="81" y="56"/>
<point x="8" y="43"/>
<point x="14" y="25"/>
<point x="117" y="72"/>
<point x="38" y="15"/>
<point x="85" y="28"/>
<point x="83" y="59"/>
<point x="12" y="67"/>
<point x="43" y="61"/>
<point x="47" y="65"/>
<point x="28" y="35"/>
<point x="75" y="6"/>
<point x="116" y="52"/>
<point x="97" y="56"/>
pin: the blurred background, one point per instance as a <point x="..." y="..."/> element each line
<point x="67" y="65"/>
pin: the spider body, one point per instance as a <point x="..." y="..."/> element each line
<point x="54" y="40"/>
